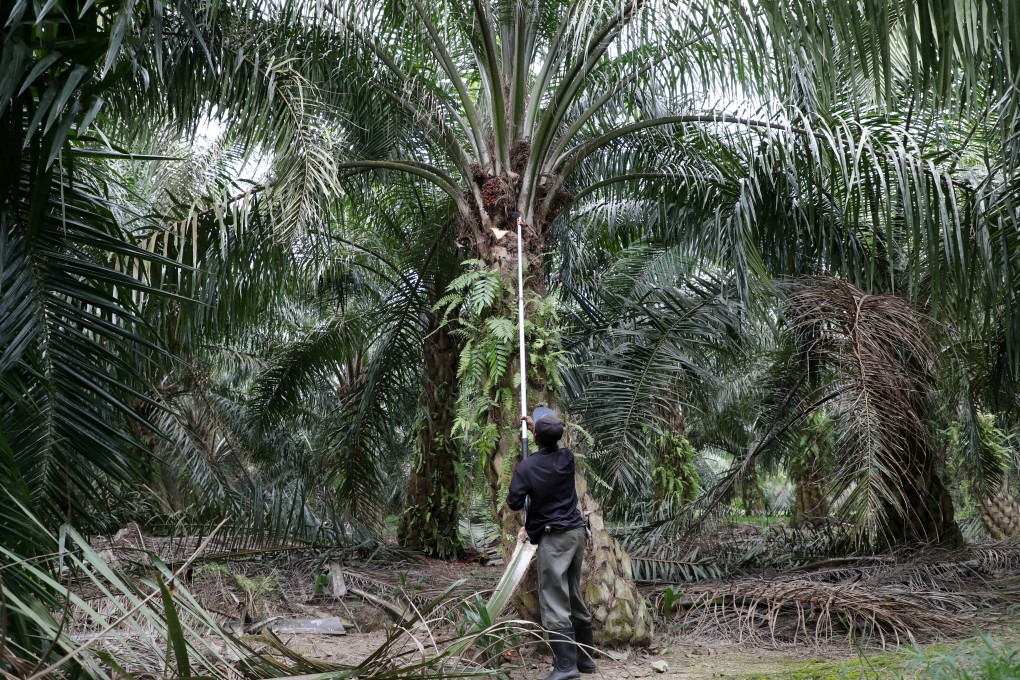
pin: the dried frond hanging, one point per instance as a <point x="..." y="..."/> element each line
<point x="877" y="354"/>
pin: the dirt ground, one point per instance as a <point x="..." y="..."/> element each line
<point x="274" y="594"/>
<point x="683" y="657"/>
<point x="683" y="661"/>
<point x="287" y="596"/>
<point x="955" y="595"/>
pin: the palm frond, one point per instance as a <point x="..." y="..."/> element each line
<point x="655" y="345"/>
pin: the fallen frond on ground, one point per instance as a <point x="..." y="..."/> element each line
<point x="785" y="610"/>
<point x="67" y="612"/>
<point x="865" y="600"/>
<point x="724" y="548"/>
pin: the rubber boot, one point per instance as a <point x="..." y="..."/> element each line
<point x="585" y="647"/>
<point x="564" y="655"/>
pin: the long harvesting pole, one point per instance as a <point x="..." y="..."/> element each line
<point x="520" y="328"/>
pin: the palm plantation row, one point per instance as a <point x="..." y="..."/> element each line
<point x="783" y="236"/>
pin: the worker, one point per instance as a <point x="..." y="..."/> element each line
<point x="554" y="522"/>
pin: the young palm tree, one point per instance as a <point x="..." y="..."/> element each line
<point x="405" y="378"/>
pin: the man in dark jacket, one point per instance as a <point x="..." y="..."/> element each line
<point x="554" y="522"/>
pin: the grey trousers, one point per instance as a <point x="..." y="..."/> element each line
<point x="560" y="558"/>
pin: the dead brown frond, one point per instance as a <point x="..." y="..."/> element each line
<point x="878" y="354"/>
<point x="801" y="610"/>
<point x="1000" y="558"/>
<point x="871" y="599"/>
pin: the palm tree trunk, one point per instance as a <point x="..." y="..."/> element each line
<point x="609" y="585"/>
<point x="1000" y="513"/>
<point x="432" y="512"/>
<point x="751" y="493"/>
<point x="927" y="514"/>
<point x="810" y="507"/>
<point x="610" y="592"/>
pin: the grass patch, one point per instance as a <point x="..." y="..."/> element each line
<point x="764" y="521"/>
<point x="981" y="658"/>
<point x="879" y="666"/>
<point x="984" y="657"/>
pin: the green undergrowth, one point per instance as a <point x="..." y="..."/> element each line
<point x="989" y="657"/>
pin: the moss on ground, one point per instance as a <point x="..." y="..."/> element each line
<point x="884" y="666"/>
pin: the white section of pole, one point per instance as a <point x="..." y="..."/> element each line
<point x="520" y="328"/>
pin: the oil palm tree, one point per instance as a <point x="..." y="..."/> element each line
<point x="619" y="385"/>
<point x="507" y="101"/>
<point x="875" y="498"/>
<point x="528" y="108"/>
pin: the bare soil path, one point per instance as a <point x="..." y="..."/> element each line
<point x="682" y="661"/>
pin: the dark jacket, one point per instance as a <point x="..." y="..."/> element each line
<point x="548" y="477"/>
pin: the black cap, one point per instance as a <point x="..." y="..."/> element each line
<point x="548" y="427"/>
